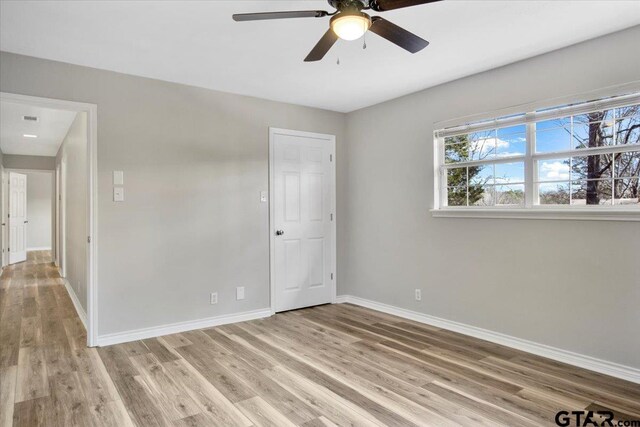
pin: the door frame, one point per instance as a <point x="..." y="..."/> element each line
<point x="92" y="197"/>
<point x="57" y="233"/>
<point x="61" y="217"/>
<point x="331" y="140"/>
<point x="5" y="211"/>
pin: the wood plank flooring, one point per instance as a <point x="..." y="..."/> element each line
<point x="330" y="365"/>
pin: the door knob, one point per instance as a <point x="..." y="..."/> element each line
<point x="279" y="232"/>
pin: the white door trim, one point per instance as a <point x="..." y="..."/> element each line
<point x="92" y="196"/>
<point x="56" y="224"/>
<point x="62" y="219"/>
<point x="331" y="139"/>
<point x="4" y="209"/>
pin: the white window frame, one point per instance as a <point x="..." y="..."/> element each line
<point x="531" y="210"/>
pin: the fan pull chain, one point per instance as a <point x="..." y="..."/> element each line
<point x="364" y="38"/>
<point x="338" y="61"/>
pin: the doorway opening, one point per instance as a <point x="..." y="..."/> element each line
<point x="48" y="164"/>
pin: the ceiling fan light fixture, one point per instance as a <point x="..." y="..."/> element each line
<point x="350" y="25"/>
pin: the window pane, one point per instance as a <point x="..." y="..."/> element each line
<point x="554" y="170"/>
<point x="627" y="164"/>
<point x="482" y="145"/>
<point x="626" y="191"/>
<point x="507" y="173"/>
<point x="457" y="196"/>
<point x="564" y="122"/>
<point x="481" y="195"/>
<point x="512" y="141"/>
<point x="591" y="167"/>
<point x="457" y="177"/>
<point x="455" y="139"/>
<point x="591" y="192"/>
<point x="596" y="116"/>
<point x="593" y="129"/>
<point x="553" y="135"/>
<point x="481" y="175"/>
<point x="556" y="193"/>
<point x="455" y="153"/>
<point x="632" y="110"/>
<point x="512" y="195"/>
<point x="628" y="128"/>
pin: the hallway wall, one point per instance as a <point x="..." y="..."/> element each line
<point x="73" y="158"/>
<point x="39" y="210"/>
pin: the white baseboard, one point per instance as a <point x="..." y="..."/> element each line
<point x="76" y="303"/>
<point x="587" y="362"/>
<point x="340" y="299"/>
<point x="174" y="328"/>
<point x="44" y="248"/>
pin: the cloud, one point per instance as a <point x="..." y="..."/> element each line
<point x="510" y="153"/>
<point x="554" y="170"/>
<point x="486" y="145"/>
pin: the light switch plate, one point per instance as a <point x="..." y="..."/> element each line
<point x="118" y="178"/>
<point x="118" y="194"/>
<point x="263" y="196"/>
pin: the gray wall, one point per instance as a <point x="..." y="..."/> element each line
<point x="194" y="164"/>
<point x="13" y="161"/>
<point x="39" y="209"/>
<point x="569" y="284"/>
<point x="72" y="159"/>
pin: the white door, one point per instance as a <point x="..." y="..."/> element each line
<point x="303" y="193"/>
<point x="17" y="217"/>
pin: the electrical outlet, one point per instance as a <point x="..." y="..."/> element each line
<point x="240" y="292"/>
<point x="418" y="295"/>
<point x="214" y="298"/>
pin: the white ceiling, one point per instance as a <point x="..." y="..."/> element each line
<point x="51" y="128"/>
<point x="197" y="43"/>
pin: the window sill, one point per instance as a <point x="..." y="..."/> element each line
<point x="591" y="214"/>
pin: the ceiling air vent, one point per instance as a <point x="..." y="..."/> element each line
<point x="30" y="118"/>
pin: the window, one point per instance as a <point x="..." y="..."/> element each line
<point x="571" y="157"/>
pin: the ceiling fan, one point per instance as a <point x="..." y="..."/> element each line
<point x="349" y="22"/>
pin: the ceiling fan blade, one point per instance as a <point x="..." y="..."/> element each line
<point x="383" y="5"/>
<point x="322" y="47"/>
<point x="279" y="15"/>
<point x="397" y="35"/>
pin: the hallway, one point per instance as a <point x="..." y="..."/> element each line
<point x="45" y="366"/>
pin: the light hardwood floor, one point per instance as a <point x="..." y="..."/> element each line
<point x="329" y="365"/>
